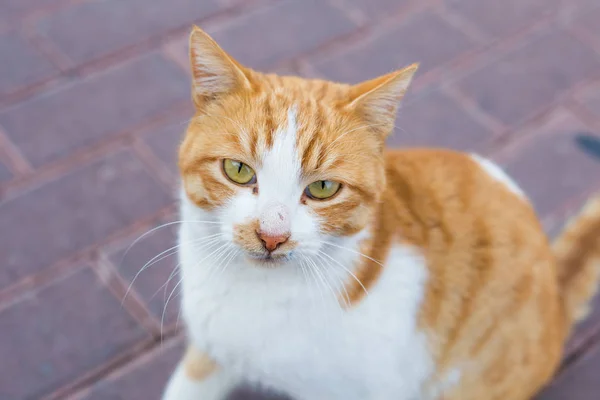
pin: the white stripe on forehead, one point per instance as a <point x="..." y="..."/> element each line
<point x="279" y="175"/>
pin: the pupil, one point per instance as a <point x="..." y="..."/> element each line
<point x="240" y="168"/>
<point x="322" y="185"/>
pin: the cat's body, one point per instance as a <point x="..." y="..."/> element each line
<point x="425" y="276"/>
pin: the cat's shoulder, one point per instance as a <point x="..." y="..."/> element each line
<point x="449" y="171"/>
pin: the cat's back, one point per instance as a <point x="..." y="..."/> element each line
<point x="491" y="299"/>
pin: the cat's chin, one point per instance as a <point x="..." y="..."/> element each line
<point x="268" y="260"/>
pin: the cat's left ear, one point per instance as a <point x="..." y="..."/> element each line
<point x="377" y="100"/>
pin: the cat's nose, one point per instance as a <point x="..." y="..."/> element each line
<point x="272" y="242"/>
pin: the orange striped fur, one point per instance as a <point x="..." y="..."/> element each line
<point x="499" y="302"/>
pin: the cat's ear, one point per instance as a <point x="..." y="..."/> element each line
<point x="377" y="100"/>
<point x="214" y="72"/>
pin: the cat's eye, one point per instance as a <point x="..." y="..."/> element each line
<point x="239" y="172"/>
<point x="322" y="190"/>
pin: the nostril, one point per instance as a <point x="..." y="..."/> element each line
<point x="272" y="242"/>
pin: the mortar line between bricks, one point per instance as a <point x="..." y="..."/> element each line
<point x="98" y="372"/>
<point x="583" y="113"/>
<point x="38" y="13"/>
<point x="155" y="167"/>
<point x="583" y="37"/>
<point x="139" y="49"/>
<point x="30" y="90"/>
<point x="354" y="14"/>
<point x="18" y="163"/>
<point x="125" y="367"/>
<point x="21" y="294"/>
<point x="468" y="62"/>
<point x="48" y="49"/>
<point x="132" y="304"/>
<point x="87" y="254"/>
<point x="115" y="142"/>
<point x="533" y="118"/>
<point x="462" y="24"/>
<point x="473" y="109"/>
<point x="365" y="34"/>
<point x="580" y="353"/>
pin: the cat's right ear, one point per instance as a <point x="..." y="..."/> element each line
<point x="214" y="72"/>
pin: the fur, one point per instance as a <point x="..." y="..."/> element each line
<point x="426" y="276"/>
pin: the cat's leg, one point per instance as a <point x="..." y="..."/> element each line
<point x="197" y="377"/>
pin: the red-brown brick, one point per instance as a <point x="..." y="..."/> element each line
<point x="151" y="284"/>
<point x="143" y="379"/>
<point x="21" y="64"/>
<point x="50" y="127"/>
<point x="53" y="336"/>
<point x="282" y="31"/>
<point x="96" y="28"/>
<point x="501" y="18"/>
<point x="531" y="77"/>
<point x="66" y="215"/>
<point x="435" y="120"/>
<point x="423" y="38"/>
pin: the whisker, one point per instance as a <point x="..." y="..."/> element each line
<point x="159" y="227"/>
<point x="161" y="256"/>
<point x="345" y="296"/>
<point x="162" y="318"/>
<point x="345" y="269"/>
<point x="323" y="278"/>
<point x="353" y="251"/>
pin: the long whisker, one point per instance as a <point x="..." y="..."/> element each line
<point x="161" y="256"/>
<point x="162" y="318"/>
<point x="159" y="227"/>
<point x="316" y="280"/>
<point x="353" y="251"/>
<point x="345" y="296"/>
<point x="323" y="278"/>
<point x="345" y="269"/>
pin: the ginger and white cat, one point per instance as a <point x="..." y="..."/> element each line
<point x="317" y="263"/>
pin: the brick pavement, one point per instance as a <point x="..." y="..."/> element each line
<point x="94" y="96"/>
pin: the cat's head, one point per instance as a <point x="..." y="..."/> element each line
<point x="283" y="164"/>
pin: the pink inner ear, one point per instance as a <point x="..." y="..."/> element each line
<point x="274" y="220"/>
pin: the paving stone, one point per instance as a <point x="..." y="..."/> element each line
<point x="530" y="78"/>
<point x="591" y="100"/>
<point x="79" y="115"/>
<point x="579" y="382"/>
<point x="499" y="19"/>
<point x="5" y="174"/>
<point x="588" y="22"/>
<point x="434" y="120"/>
<point x="95" y="28"/>
<point x="376" y="9"/>
<point x="55" y="335"/>
<point x="21" y="64"/>
<point x="75" y="211"/>
<point x="288" y="34"/>
<point x="143" y="379"/>
<point x="551" y="166"/>
<point x="11" y="11"/>
<point x="164" y="142"/>
<point x="155" y="283"/>
<point x="423" y="38"/>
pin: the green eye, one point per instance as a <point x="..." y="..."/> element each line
<point x="321" y="190"/>
<point x="239" y="172"/>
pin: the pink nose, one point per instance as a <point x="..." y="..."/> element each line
<point x="272" y="242"/>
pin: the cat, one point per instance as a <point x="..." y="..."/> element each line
<point x="316" y="263"/>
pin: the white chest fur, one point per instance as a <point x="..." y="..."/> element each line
<point x="284" y="328"/>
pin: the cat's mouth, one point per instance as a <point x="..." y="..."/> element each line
<point x="268" y="259"/>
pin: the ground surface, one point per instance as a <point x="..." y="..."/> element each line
<point x="94" y="96"/>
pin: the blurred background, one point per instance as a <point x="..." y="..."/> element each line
<point x="94" y="97"/>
